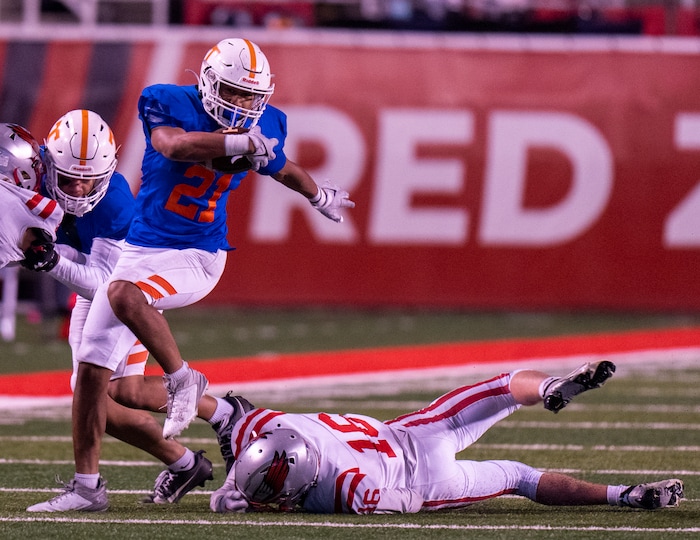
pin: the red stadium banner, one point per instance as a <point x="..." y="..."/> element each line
<point x="489" y="173"/>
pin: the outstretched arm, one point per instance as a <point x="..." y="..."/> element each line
<point x="296" y="178"/>
<point x="328" y="199"/>
<point x="84" y="277"/>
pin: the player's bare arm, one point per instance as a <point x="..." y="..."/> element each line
<point x="328" y="199"/>
<point x="296" y="178"/>
<point x="180" y="145"/>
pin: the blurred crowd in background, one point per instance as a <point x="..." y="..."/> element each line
<point x="640" y="17"/>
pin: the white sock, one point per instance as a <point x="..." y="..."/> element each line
<point x="223" y="410"/>
<point x="614" y="493"/>
<point x="185" y="463"/>
<point x="545" y="384"/>
<point x="87" y="480"/>
<point x="180" y="374"/>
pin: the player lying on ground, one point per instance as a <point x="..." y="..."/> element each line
<point x="331" y="463"/>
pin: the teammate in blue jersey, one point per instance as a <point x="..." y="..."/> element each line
<point x="80" y="154"/>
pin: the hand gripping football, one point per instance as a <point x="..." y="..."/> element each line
<point x="226" y="164"/>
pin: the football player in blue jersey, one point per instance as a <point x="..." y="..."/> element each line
<point x="80" y="157"/>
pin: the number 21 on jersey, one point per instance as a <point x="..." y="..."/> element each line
<point x="193" y="211"/>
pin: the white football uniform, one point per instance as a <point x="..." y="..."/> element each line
<point x="21" y="210"/>
<point x="403" y="465"/>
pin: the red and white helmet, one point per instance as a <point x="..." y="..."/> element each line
<point x="276" y="467"/>
<point x="241" y="65"/>
<point x="20" y="157"/>
<point x="80" y="145"/>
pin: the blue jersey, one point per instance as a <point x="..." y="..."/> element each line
<point x="110" y="218"/>
<point x="183" y="204"/>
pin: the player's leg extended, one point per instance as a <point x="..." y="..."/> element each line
<point x="470" y="482"/>
<point x="131" y="388"/>
<point x="483" y="480"/>
<point x="185" y="469"/>
<point x="148" y="280"/>
<point x="558" y="489"/>
<point x="140" y="429"/>
<point x="463" y="415"/>
<point x="532" y="387"/>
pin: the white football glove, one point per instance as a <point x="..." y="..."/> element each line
<point x="330" y="200"/>
<point x="264" y="149"/>
<point x="225" y="500"/>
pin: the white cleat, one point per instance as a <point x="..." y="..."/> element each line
<point x="183" y="400"/>
<point x="76" y="497"/>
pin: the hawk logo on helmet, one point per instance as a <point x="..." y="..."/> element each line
<point x="275" y="477"/>
<point x="23" y="134"/>
<point x="20" y="159"/>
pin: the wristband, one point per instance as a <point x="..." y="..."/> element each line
<point x="236" y="145"/>
<point x="316" y="198"/>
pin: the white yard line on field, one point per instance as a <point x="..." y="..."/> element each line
<point x="332" y="525"/>
<point x="504" y="446"/>
<point x="514" y="424"/>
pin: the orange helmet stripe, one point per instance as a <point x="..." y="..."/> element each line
<point x="84" y="140"/>
<point x="214" y="49"/>
<point x="253" y="59"/>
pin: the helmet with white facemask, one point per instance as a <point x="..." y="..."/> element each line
<point x="80" y="146"/>
<point x="239" y="66"/>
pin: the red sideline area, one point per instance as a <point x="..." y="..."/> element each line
<point x="284" y="366"/>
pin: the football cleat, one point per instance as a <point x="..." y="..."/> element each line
<point x="183" y="400"/>
<point x="225" y="427"/>
<point x="653" y="495"/>
<point x="172" y="486"/>
<point x="76" y="497"/>
<point x="561" y="391"/>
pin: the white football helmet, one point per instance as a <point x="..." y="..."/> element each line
<point x="80" y="146"/>
<point x="242" y="66"/>
<point x="20" y="157"/>
<point x="276" y="467"/>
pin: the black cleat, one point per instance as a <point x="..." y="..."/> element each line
<point x="172" y="486"/>
<point x="589" y="376"/>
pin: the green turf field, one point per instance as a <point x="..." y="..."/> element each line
<point x="643" y="425"/>
<point x="207" y="332"/>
